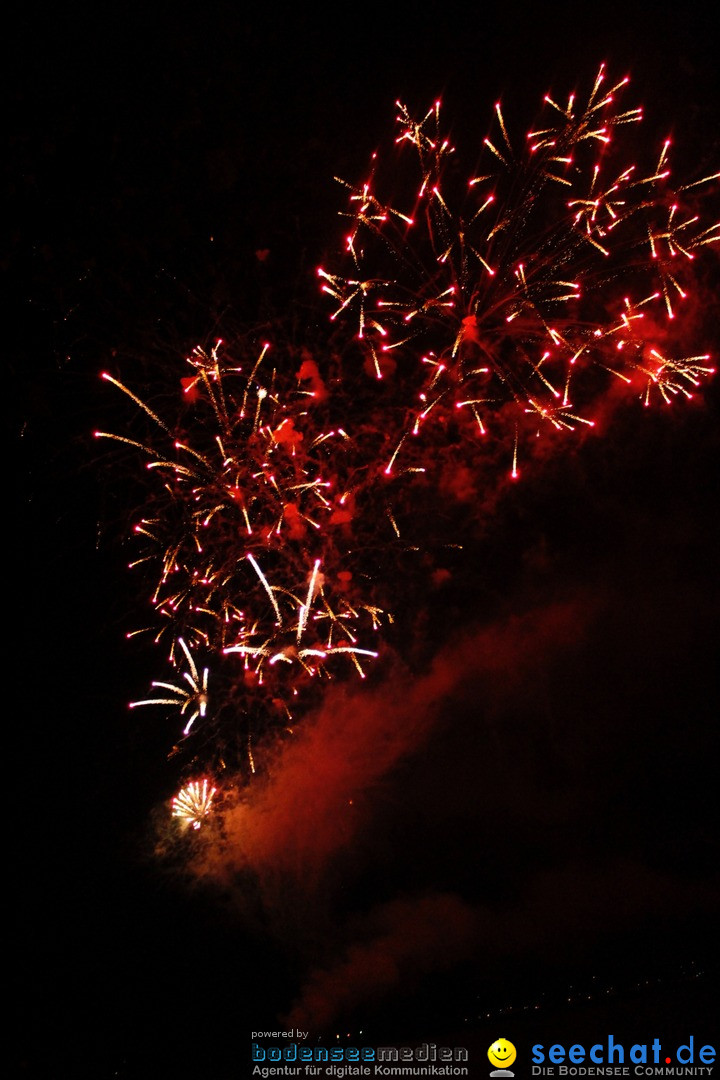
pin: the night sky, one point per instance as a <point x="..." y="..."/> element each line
<point x="531" y="849"/>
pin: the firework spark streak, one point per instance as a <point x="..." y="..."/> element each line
<point x="196" y="697"/>
<point x="502" y="305"/>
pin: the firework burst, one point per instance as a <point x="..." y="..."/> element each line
<point x="244" y="537"/>
<point x="511" y="293"/>
<point x="509" y="301"/>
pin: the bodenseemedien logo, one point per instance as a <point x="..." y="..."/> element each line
<point x="502" y="1054"/>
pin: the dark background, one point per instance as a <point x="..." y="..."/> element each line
<point x="151" y="151"/>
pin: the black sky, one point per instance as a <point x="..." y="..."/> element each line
<point x="553" y="825"/>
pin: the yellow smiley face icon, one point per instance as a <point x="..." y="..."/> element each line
<point x="502" y="1054"/>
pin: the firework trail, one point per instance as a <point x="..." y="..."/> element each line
<point x="497" y="306"/>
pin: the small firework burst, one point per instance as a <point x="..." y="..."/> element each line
<point x="193" y="803"/>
